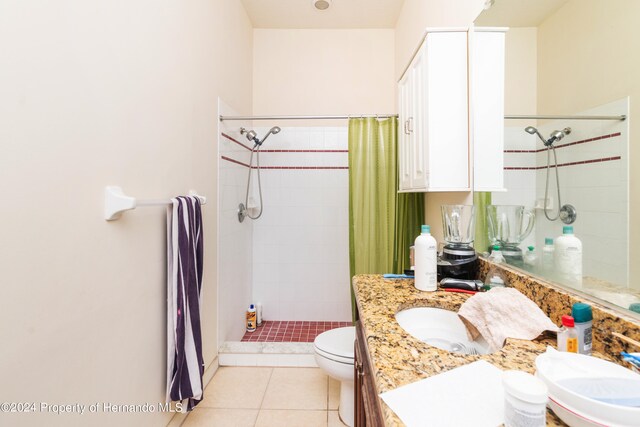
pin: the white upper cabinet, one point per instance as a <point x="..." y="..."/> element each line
<point x="439" y="106"/>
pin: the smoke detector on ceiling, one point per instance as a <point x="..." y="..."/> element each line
<point x="321" y="4"/>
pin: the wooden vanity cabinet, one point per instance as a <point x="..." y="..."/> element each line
<point x="367" y="403"/>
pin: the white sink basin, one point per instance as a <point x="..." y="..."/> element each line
<point x="440" y="328"/>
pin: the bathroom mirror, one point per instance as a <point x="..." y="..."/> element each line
<point x="574" y="58"/>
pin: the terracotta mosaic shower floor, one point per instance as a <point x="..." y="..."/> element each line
<point x="290" y="331"/>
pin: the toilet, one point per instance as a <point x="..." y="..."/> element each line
<point x="334" y="355"/>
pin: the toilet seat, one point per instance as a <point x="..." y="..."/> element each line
<point x="336" y="344"/>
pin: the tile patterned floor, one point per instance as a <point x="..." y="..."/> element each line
<point x="268" y="397"/>
<point x="290" y="331"/>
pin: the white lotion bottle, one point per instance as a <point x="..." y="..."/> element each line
<point x="548" y="256"/>
<point x="426" y="258"/>
<point x="568" y="257"/>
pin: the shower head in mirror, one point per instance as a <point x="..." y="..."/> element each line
<point x="533" y="131"/>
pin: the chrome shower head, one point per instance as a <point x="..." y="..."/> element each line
<point x="533" y="131"/>
<point x="274" y="130"/>
<point x="252" y="136"/>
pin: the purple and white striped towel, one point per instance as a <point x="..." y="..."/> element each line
<point x="185" y="364"/>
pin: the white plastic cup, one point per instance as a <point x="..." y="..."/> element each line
<point x="525" y="400"/>
<point x="259" y="314"/>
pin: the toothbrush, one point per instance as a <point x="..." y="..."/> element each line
<point x="631" y="357"/>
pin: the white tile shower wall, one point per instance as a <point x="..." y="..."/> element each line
<point x="301" y="242"/>
<point x="520" y="184"/>
<point x="235" y="239"/>
<point x="599" y="191"/>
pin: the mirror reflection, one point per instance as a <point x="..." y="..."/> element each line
<point x="565" y="211"/>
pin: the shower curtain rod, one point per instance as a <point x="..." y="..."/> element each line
<point x="622" y="117"/>
<point x="386" y="116"/>
<point x="338" y="117"/>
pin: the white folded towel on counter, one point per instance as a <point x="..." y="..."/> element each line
<point x="470" y="395"/>
<point x="503" y="313"/>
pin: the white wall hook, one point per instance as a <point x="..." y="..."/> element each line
<point x="116" y="202"/>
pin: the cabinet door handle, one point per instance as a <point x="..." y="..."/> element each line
<point x="359" y="370"/>
<point x="410" y="124"/>
<point x="406" y="127"/>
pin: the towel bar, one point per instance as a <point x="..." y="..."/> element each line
<point x="116" y="202"/>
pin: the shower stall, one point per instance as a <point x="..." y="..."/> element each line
<point x="292" y="257"/>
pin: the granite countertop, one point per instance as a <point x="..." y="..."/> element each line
<point x="398" y="359"/>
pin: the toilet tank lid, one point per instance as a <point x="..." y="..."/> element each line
<point x="337" y="341"/>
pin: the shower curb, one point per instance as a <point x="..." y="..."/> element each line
<point x="283" y="354"/>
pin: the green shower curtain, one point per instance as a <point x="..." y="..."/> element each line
<point x="481" y="241"/>
<point x="382" y="223"/>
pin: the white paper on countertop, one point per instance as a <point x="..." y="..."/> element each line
<point x="471" y="395"/>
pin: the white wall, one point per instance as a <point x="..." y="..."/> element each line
<point x="301" y="242"/>
<point x="309" y="72"/>
<point x="521" y="76"/>
<point x="92" y="94"/>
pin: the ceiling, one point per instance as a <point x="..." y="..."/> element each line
<point x="518" y="13"/>
<point x="341" y="14"/>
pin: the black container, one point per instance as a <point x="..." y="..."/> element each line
<point x="462" y="268"/>
<point x="458" y="252"/>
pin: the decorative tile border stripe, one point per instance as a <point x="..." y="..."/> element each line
<point x="304" y="167"/>
<point x="230" y="138"/>
<point x="304" y="151"/>
<point x="284" y="167"/>
<point x="228" y="159"/>
<point x="597" y="138"/>
<point x="582" y="141"/>
<point x="291" y="331"/>
<point x="583" y="162"/>
<point x="521" y="151"/>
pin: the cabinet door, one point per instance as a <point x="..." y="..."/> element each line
<point x="417" y="123"/>
<point x="367" y="401"/>
<point x="359" y="417"/>
<point x="434" y="114"/>
<point x="404" y="140"/>
<point x="487" y="108"/>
